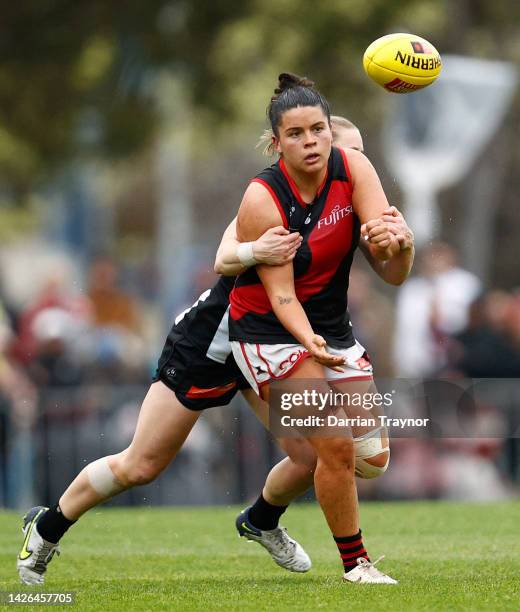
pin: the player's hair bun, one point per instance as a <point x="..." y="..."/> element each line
<point x="287" y="80"/>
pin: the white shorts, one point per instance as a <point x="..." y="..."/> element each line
<point x="263" y="363"/>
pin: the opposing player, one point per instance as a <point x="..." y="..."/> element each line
<point x="195" y="371"/>
<point x="281" y="316"/>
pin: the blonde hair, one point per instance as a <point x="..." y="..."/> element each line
<point x="266" y="139"/>
<point x="342" y="122"/>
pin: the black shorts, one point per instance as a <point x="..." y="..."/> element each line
<point x="198" y="382"/>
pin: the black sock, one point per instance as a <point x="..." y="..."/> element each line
<point x="264" y="515"/>
<point x="52" y="524"/>
<point x="351" y="548"/>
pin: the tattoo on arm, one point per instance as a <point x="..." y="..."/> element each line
<point x="284" y="300"/>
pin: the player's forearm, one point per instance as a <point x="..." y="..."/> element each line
<point x="226" y="268"/>
<point x="291" y="315"/>
<point x="227" y="261"/>
<point x="279" y="286"/>
<point x="396" y="269"/>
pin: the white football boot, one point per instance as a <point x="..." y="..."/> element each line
<point x="366" y="573"/>
<point x="36" y="552"/>
<point x="285" y="551"/>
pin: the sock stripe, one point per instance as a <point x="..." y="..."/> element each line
<point x="359" y="553"/>
<point x="350" y="547"/>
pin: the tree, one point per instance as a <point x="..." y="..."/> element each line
<point x="77" y="77"/>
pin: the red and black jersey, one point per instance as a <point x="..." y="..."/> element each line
<point x="330" y="231"/>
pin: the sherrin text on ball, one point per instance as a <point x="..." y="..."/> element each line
<point x="402" y="63"/>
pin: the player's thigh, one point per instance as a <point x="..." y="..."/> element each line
<point x="163" y="426"/>
<point x="305" y="369"/>
<point x="306" y="375"/>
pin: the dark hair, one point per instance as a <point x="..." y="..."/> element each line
<point x="294" y="91"/>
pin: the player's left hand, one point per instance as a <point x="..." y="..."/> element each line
<point x="318" y="350"/>
<point x="398" y="226"/>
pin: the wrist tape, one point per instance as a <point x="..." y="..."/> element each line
<point x="245" y="254"/>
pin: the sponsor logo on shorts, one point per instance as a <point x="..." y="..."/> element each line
<point x="287" y="364"/>
<point x="363" y="363"/>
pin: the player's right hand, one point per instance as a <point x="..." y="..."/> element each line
<point x="277" y="246"/>
<point x="398" y="226"/>
<point x="320" y="354"/>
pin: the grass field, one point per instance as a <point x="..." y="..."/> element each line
<point x="447" y="556"/>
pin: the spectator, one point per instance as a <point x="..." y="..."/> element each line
<point x="56" y="363"/>
<point x="115" y="348"/>
<point x="55" y="296"/>
<point x="489" y="347"/>
<point x="430" y="307"/>
<point x="372" y="316"/>
<point x="112" y="307"/>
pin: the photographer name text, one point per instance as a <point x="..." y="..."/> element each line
<point x="335" y="421"/>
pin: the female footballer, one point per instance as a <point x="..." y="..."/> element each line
<point x="291" y="321"/>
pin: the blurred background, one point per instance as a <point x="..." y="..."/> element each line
<point x="127" y="137"/>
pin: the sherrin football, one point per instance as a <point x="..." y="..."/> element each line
<point x="402" y="63"/>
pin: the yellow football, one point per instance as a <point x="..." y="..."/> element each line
<point x="402" y="63"/>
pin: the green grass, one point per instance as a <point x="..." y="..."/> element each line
<point x="447" y="556"/>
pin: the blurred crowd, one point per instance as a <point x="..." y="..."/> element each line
<point x="59" y="343"/>
<point x="441" y="323"/>
<point x="446" y="324"/>
<point x="63" y="337"/>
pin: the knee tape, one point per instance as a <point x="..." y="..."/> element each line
<point x="102" y="479"/>
<point x="367" y="446"/>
